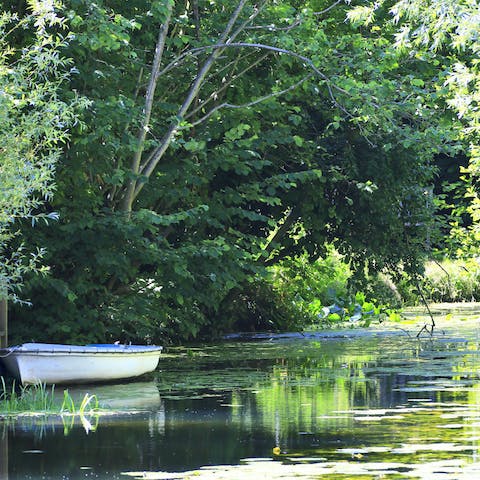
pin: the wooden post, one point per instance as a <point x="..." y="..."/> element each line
<point x="4" y="454"/>
<point x="4" y="434"/>
<point x="3" y="323"/>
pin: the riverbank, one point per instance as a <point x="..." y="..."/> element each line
<point x="413" y="321"/>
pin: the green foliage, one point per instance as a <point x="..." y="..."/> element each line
<point x="173" y="208"/>
<point x="312" y="285"/>
<point x="447" y="33"/>
<point x="322" y="293"/>
<point x="33" y="125"/>
<point x="299" y="293"/>
<point x="447" y="281"/>
<point x="260" y="306"/>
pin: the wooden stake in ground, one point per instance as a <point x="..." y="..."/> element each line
<point x="3" y="324"/>
<point x="4" y="454"/>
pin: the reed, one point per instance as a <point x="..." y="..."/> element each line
<point x="34" y="399"/>
<point x="88" y="400"/>
<point x="31" y="398"/>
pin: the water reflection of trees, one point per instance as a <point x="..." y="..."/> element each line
<point x="121" y="442"/>
<point x="325" y="394"/>
<point x="305" y="394"/>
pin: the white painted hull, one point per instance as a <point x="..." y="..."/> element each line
<point x="33" y="363"/>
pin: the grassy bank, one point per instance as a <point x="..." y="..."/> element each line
<point x="452" y="280"/>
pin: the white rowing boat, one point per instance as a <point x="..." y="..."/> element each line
<point x="33" y="363"/>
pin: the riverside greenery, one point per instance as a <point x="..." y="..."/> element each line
<point x="33" y="124"/>
<point x="183" y="193"/>
<point x="39" y="399"/>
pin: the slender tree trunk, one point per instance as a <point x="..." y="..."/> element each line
<point x="3" y="323"/>
<point x="291" y="217"/>
<point x="129" y="195"/>
<point x="147" y="168"/>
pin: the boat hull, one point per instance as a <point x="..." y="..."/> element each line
<point x="33" y="363"/>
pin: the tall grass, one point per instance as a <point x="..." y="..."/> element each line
<point x="32" y="398"/>
<point x="89" y="404"/>
<point x="452" y="280"/>
<point x="17" y="399"/>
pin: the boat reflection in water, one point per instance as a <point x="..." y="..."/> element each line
<point x="32" y="444"/>
<point x="131" y="396"/>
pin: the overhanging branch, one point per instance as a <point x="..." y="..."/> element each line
<point x="214" y="95"/>
<point x="307" y="61"/>
<point x="250" y="104"/>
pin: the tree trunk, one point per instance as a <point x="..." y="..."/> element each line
<point x="3" y="324"/>
<point x="146" y="168"/>
<point x="4" y="455"/>
<point x="129" y="195"/>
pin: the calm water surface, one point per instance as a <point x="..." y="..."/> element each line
<point x="350" y="405"/>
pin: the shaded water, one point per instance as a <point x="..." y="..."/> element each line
<point x="356" y="404"/>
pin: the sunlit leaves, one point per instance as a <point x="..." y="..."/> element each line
<point x="33" y="124"/>
<point x="361" y="15"/>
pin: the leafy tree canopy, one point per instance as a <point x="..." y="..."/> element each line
<point x="447" y="32"/>
<point x="222" y="138"/>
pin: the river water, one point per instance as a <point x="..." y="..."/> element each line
<point x="354" y="404"/>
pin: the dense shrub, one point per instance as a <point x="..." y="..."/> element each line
<point x="300" y="293"/>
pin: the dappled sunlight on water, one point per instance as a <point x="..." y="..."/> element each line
<point x="349" y="404"/>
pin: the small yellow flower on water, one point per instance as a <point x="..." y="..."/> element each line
<point x="276" y="450"/>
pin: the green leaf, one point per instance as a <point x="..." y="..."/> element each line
<point x="417" y="82"/>
<point x="298" y="140"/>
